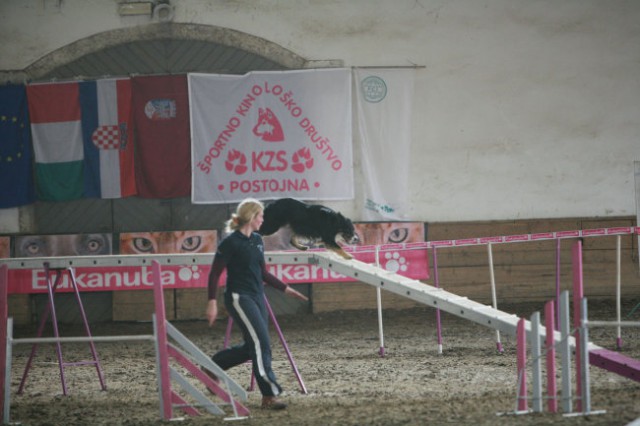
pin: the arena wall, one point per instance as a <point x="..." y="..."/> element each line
<point x="523" y="272"/>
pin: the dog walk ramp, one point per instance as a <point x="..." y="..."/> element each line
<point x="449" y="302"/>
<point x="403" y="286"/>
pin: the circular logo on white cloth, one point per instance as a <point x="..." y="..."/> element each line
<point x="374" y="89"/>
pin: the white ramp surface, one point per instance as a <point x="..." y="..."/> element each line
<point x="413" y="289"/>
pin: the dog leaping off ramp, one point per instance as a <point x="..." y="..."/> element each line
<point x="441" y="299"/>
<point x="315" y="222"/>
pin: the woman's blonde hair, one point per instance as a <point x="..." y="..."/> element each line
<point x="245" y="212"/>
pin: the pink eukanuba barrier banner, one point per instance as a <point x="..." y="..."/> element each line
<point x="406" y="262"/>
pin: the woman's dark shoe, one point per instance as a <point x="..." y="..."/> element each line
<point x="271" y="403"/>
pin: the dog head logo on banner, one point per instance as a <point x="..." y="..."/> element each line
<point x="268" y="127"/>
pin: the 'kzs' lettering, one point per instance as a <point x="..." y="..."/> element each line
<point x="269" y="161"/>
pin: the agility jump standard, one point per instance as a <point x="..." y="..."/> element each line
<point x="183" y="352"/>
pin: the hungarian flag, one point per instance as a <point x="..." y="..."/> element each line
<point x="108" y="138"/>
<point x="16" y="154"/>
<point x="161" y="121"/>
<point x="56" y="128"/>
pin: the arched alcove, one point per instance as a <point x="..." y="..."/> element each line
<point x="165" y="48"/>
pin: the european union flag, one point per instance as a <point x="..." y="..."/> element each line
<point x="16" y="152"/>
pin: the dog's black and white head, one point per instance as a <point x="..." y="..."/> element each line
<point x="346" y="231"/>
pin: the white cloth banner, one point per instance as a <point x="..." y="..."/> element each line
<point x="270" y="135"/>
<point x="384" y="99"/>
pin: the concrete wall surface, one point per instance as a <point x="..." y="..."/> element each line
<point x="522" y="110"/>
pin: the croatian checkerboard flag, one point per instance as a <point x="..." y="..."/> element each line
<point x="107" y="138"/>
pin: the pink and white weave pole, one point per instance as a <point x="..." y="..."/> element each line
<point x="4" y="312"/>
<point x="578" y="294"/>
<point x="521" y="338"/>
<point x="166" y="409"/>
<point x="552" y="390"/>
<point x="303" y="388"/>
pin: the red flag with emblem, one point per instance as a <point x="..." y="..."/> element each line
<point x="161" y="117"/>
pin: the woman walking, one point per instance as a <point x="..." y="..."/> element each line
<point x="241" y="253"/>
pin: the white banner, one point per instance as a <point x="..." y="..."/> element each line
<point x="270" y="135"/>
<point x="384" y="99"/>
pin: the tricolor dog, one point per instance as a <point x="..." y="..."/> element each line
<point x="314" y="222"/>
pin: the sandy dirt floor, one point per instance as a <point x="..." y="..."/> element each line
<point x="348" y="383"/>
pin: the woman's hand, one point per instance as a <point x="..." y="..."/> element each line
<point x="212" y="311"/>
<point x="295" y="293"/>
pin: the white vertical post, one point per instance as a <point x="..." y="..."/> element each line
<point x="494" y="298"/>
<point x="522" y="404"/>
<point x="565" y="352"/>
<point x="537" y="363"/>
<point x="619" y="290"/>
<point x="436" y="283"/>
<point x="637" y="182"/>
<point x="379" y="304"/>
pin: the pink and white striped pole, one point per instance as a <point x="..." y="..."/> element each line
<point x="166" y="409"/>
<point x="549" y="312"/>
<point x="4" y="312"/>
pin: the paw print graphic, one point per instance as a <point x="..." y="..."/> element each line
<point x="236" y="162"/>
<point x="302" y="160"/>
<point x="395" y="263"/>
<point x="187" y="273"/>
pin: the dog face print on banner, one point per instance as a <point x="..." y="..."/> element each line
<point x="378" y="233"/>
<point x="63" y="245"/>
<point x="168" y="242"/>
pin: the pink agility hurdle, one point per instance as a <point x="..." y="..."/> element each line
<point x="585" y="352"/>
<point x="170" y="345"/>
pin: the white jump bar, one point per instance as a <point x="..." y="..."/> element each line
<point x="81" y="339"/>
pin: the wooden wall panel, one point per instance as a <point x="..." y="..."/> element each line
<point x="138" y="305"/>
